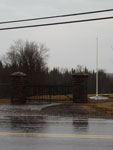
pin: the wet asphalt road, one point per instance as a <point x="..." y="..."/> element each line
<point x="27" y="131"/>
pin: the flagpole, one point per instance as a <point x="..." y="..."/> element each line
<point x="97" y="68"/>
<point x="97" y="97"/>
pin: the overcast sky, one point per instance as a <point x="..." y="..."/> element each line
<point x="69" y="45"/>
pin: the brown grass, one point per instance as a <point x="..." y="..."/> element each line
<point x="5" y="101"/>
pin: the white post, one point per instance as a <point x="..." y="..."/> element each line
<point x="97" y="70"/>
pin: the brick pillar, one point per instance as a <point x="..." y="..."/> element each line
<point x="80" y="94"/>
<point x="18" y="82"/>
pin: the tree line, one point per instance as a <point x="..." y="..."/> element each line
<point x="31" y="58"/>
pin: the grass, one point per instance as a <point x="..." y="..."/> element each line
<point x="95" y="110"/>
<point x="5" y="101"/>
<point x="62" y="97"/>
<point x="50" y="99"/>
<point x="110" y="95"/>
<point x="101" y="109"/>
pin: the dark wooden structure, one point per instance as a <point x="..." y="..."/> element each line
<point x="80" y="94"/>
<point x="18" y="89"/>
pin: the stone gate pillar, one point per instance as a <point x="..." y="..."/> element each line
<point x="80" y="94"/>
<point x="18" y="91"/>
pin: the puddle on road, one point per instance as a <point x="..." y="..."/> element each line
<point x="60" y="125"/>
<point x="42" y="124"/>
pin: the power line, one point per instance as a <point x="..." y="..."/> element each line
<point x="57" y="16"/>
<point x="57" y="23"/>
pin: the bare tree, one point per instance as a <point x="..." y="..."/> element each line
<point x="28" y="57"/>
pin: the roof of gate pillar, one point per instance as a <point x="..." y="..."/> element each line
<point x="19" y="74"/>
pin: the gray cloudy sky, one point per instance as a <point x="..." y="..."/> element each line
<point x="70" y="45"/>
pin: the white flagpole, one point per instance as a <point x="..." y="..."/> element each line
<point x="97" y="69"/>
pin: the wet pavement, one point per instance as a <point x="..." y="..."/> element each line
<point x="22" y="110"/>
<point x="26" y="131"/>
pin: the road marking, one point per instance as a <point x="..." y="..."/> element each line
<point x="57" y="135"/>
